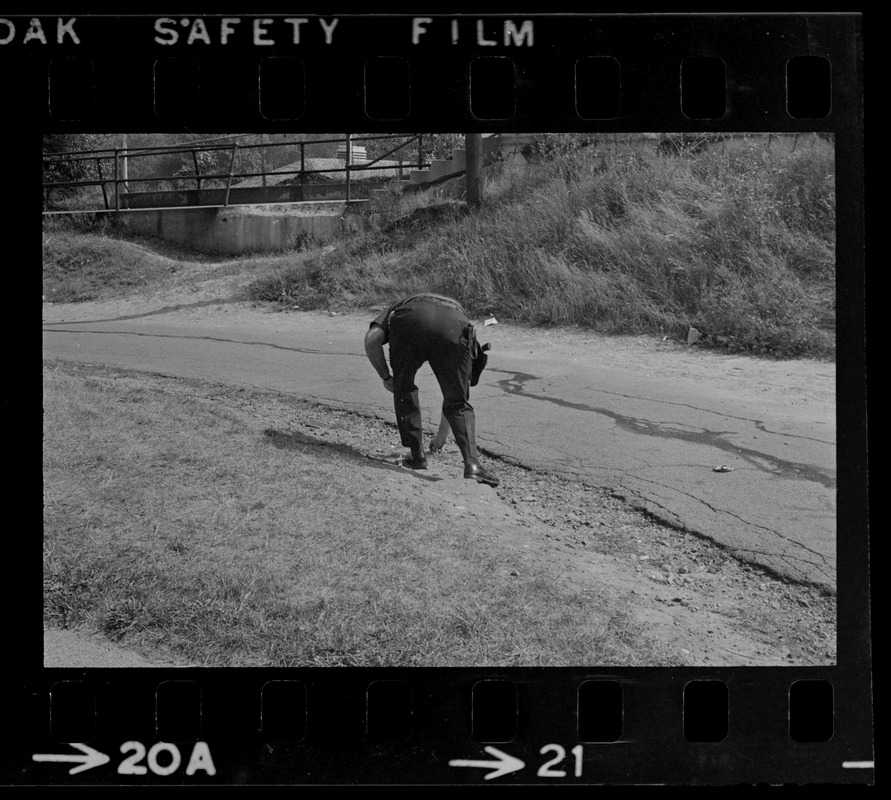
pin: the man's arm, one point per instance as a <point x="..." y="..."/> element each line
<point x="374" y="349"/>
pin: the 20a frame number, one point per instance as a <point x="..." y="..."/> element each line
<point x="132" y="765"/>
<point x="547" y="770"/>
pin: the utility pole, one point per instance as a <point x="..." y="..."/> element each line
<point x="473" y="144"/>
<point x="347" y="163"/>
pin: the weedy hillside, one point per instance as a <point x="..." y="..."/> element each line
<point x="737" y="240"/>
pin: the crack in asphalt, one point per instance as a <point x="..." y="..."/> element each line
<point x="748" y="555"/>
<point x="745" y="522"/>
<point x="222" y="339"/>
<point x="665" y="516"/>
<point x="759" y="424"/>
<point x="515" y="385"/>
<point x="777" y="466"/>
<point x="156" y="312"/>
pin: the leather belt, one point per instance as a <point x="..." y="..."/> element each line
<point x="429" y="298"/>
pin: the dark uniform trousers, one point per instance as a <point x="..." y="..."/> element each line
<point x="437" y="331"/>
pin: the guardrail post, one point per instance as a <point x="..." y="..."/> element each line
<point x="349" y="154"/>
<point x="231" y="170"/>
<point x="117" y="185"/>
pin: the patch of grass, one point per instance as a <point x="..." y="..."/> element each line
<point x="175" y="523"/>
<point x="85" y="258"/>
<point x="84" y="266"/>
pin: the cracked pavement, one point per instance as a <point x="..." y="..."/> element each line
<point x="648" y="419"/>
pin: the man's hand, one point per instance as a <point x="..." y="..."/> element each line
<point x="438" y="441"/>
<point x="388" y="383"/>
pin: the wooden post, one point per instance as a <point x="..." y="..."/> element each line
<point x="473" y="143"/>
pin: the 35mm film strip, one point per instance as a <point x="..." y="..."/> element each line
<point x="605" y="73"/>
<point x="598" y="74"/>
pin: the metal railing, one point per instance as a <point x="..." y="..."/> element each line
<point x="114" y="166"/>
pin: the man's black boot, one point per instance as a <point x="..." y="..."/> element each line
<point x="472" y="469"/>
<point x="417" y="460"/>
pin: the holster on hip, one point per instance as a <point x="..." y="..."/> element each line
<point x="479" y="357"/>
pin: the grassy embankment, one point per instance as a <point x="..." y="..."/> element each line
<point x="84" y="259"/>
<point x="177" y="524"/>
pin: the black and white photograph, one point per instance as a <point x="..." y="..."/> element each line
<point x="442" y="398"/>
<point x="439" y="400"/>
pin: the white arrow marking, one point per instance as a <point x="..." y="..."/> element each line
<point x="503" y="765"/>
<point x="88" y="759"/>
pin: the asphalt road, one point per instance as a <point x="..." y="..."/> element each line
<point x="653" y="422"/>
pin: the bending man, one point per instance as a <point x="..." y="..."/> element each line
<point x="429" y="327"/>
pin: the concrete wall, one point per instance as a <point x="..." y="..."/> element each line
<point x="234" y="230"/>
<point x="254" y="194"/>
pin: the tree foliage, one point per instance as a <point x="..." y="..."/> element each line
<point x="60" y="170"/>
